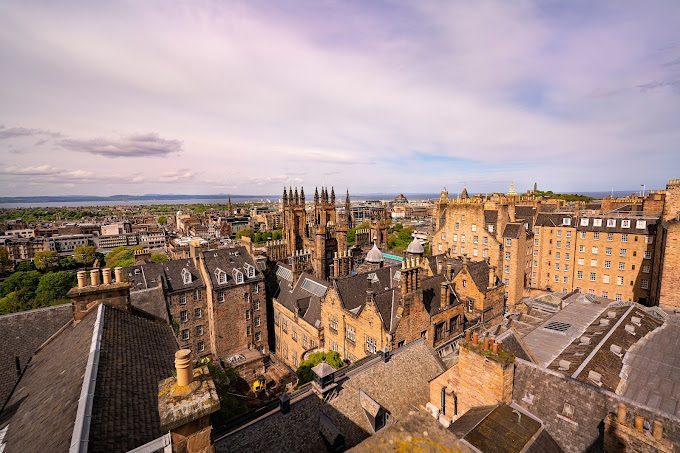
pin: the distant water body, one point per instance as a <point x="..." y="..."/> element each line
<point x="123" y="200"/>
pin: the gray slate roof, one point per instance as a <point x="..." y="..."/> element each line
<point x="300" y="299"/>
<point x="21" y="334"/>
<point x="228" y="259"/>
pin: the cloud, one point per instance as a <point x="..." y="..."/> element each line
<point x="16" y="132"/>
<point x="138" y="145"/>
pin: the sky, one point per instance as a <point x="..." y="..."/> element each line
<point x="209" y="97"/>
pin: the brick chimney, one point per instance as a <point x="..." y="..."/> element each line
<point x="91" y="292"/>
<point x="445" y="295"/>
<point x="195" y="249"/>
<point x="619" y="435"/>
<point x="492" y="277"/>
<point x="185" y="404"/>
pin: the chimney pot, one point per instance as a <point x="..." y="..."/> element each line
<point x="184" y="368"/>
<point x="82" y="279"/>
<point x="657" y="429"/>
<point x="106" y="273"/>
<point x="621" y="414"/>
<point x="487" y="343"/>
<point x="468" y="334"/>
<point x="494" y="346"/>
<point x="639" y="423"/>
<point x="94" y="277"/>
<point x="119" y="274"/>
<point x="475" y="338"/>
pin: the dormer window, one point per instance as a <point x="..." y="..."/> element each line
<point x="625" y="223"/>
<point x="186" y="276"/>
<point x="250" y="270"/>
<point x="238" y="276"/>
<point x="641" y="224"/>
<point x="597" y="222"/>
<point x="221" y="276"/>
<point x="584" y="221"/>
<point x="566" y="221"/>
<point x="375" y="413"/>
<point x="611" y="223"/>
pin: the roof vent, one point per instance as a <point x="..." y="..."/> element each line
<point x="604" y="322"/>
<point x="630" y="329"/>
<point x="561" y="327"/>
<point x="635" y="320"/>
<point x="584" y="340"/>
<point x="595" y="377"/>
<point x="611" y="314"/>
<point x="564" y="365"/>
<point x="616" y="349"/>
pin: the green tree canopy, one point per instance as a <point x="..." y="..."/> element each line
<point x="5" y="262"/>
<point x="53" y="287"/>
<point x="162" y="220"/>
<point x="304" y="371"/>
<point x="46" y="260"/>
<point x="85" y="254"/>
<point x="27" y="280"/>
<point x="24" y="266"/>
<point x="245" y="232"/>
<point x="159" y="257"/>
<point x="121" y="256"/>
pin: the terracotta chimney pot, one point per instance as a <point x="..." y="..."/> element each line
<point x="106" y="273"/>
<point x="494" y="347"/>
<point x="185" y="370"/>
<point x="639" y="422"/>
<point x="621" y="414"/>
<point x="119" y="274"/>
<point x="94" y="277"/>
<point x="82" y="279"/>
<point x="657" y="429"/>
<point x="468" y="334"/>
<point x="475" y="338"/>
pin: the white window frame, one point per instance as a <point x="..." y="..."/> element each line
<point x="611" y="223"/>
<point x="625" y="223"/>
<point x="238" y="276"/>
<point x="186" y="276"/>
<point x="585" y="221"/>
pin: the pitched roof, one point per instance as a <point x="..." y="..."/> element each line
<point x="304" y="298"/>
<point x="21" y="334"/>
<point x="513" y="230"/>
<point x="228" y="259"/>
<point x="135" y="352"/>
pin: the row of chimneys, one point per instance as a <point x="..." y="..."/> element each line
<point x="342" y="263"/>
<point x="639" y="422"/>
<point x="489" y="343"/>
<point x="411" y="275"/>
<point x="95" y="277"/>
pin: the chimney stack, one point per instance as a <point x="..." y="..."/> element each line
<point x="94" y="277"/>
<point x="119" y="274"/>
<point x="449" y="271"/>
<point x="475" y="338"/>
<point x="185" y="370"/>
<point x="82" y="279"/>
<point x="492" y="277"/>
<point x="657" y="429"/>
<point x="468" y="335"/>
<point x="106" y="272"/>
<point x="445" y="295"/>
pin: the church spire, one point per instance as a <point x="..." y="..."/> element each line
<point x="302" y="196"/>
<point x="348" y="210"/>
<point x="284" y="200"/>
<point x="332" y="195"/>
<point x="296" y="200"/>
<point x="316" y="195"/>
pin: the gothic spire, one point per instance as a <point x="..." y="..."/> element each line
<point x="297" y="197"/>
<point x="316" y="195"/>
<point x="302" y="196"/>
<point x="285" y="196"/>
<point x="332" y="195"/>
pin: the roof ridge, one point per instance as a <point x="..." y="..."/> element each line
<point x="34" y="310"/>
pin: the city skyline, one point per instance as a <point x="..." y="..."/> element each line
<point x="112" y="98"/>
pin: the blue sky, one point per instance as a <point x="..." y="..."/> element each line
<point x="244" y="97"/>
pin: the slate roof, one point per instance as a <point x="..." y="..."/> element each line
<point x="300" y="299"/>
<point x="513" y="230"/>
<point x="503" y="428"/>
<point x="21" y="334"/>
<point x="553" y="219"/>
<point x="432" y="295"/>
<point x="228" y="259"/>
<point x="479" y="271"/>
<point x="151" y="301"/>
<point x="650" y="224"/>
<point x="135" y="353"/>
<point x="352" y="289"/>
<point x="490" y="217"/>
<point x="169" y="274"/>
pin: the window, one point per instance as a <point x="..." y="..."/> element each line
<point x="611" y="223"/>
<point x="593" y="263"/>
<point x="624" y="238"/>
<point x="650" y="239"/>
<point x="248" y="314"/>
<point x="596" y="236"/>
<point x="557" y="255"/>
<point x="535" y="252"/>
<point x="566" y="266"/>
<point x="444" y="236"/>
<point x="607" y="264"/>
<point x="474" y="227"/>
<point x="183" y="299"/>
<point x="506" y="269"/>
<point x="485" y="253"/>
<point x="294" y="335"/>
<point x="535" y="241"/>
<point x="597" y="223"/>
<point x="257" y="321"/>
<point x="559" y="244"/>
<point x="648" y="254"/>
<point x="198" y="313"/>
<point x="186" y="276"/>
<point x="566" y="279"/>
<point x="455" y="238"/>
<point x="250" y="270"/>
<point x="558" y="233"/>
<point x="584" y="221"/>
<point x="201" y="346"/>
<point x="220" y="296"/>
<point x="258" y="337"/>
<point x="605" y="278"/>
<point x="221" y="276"/>
<point x="581" y="248"/>
<point x="470" y="305"/>
<point x="605" y="294"/>
<point x="623" y="252"/>
<point x="485" y="240"/>
<point x="594" y="250"/>
<point x="238" y="276"/>
<point x="619" y="280"/>
<point x="462" y="238"/>
<point x="583" y="234"/>
<point x="371" y="345"/>
<point x="567" y="256"/>
<point x="333" y="324"/>
<point x="610" y="236"/>
<point x="593" y="276"/>
<point x="475" y="239"/>
<point x="508" y="242"/>
<point x="557" y="266"/>
<point x="568" y="245"/>
<point x="183" y="316"/>
<point x="644" y="284"/>
<point x="625" y="223"/>
<point x="608" y="251"/>
<point x="566" y="220"/>
<point x="557" y="279"/>
<point x="474" y="252"/>
<point x="622" y="266"/>
<point x="507" y="255"/>
<point x="199" y="331"/>
<point x="641" y="224"/>
<point x="490" y="228"/>
<point x="581" y="261"/>
<point x="568" y="233"/>
<point x="351" y="334"/>
<point x="197" y="294"/>
<point x="255" y="288"/>
<point x="645" y="268"/>
<point x="256" y="305"/>
<point x="185" y="334"/>
<point x="462" y="250"/>
<point x="619" y="298"/>
<point x="579" y="275"/>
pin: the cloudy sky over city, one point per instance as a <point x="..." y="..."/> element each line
<point x="202" y="97"/>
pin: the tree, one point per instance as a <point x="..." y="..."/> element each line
<point x="159" y="258"/>
<point x="245" y="232"/>
<point x="162" y="220"/>
<point x="46" y="260"/>
<point x="10" y="304"/>
<point x="305" y="373"/>
<point x="121" y="256"/>
<point x="24" y="266"/>
<point x="5" y="262"/>
<point x="67" y="262"/>
<point x="85" y="254"/>
<point x="53" y="288"/>
<point x="21" y="281"/>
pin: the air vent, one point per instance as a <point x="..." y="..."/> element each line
<point x="630" y="329"/>
<point x="635" y="320"/>
<point x="557" y="326"/>
<point x="595" y="377"/>
<point x="616" y="349"/>
<point x="584" y="340"/>
<point x="604" y="322"/>
<point x="564" y="365"/>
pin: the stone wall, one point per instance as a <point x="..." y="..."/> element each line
<point x="484" y="378"/>
<point x="669" y="293"/>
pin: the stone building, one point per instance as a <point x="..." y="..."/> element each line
<point x="321" y="231"/>
<point x="666" y="289"/>
<point x="297" y="315"/>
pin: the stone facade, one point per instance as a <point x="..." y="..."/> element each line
<point x="189" y="315"/>
<point x="295" y="337"/>
<point x="669" y="247"/>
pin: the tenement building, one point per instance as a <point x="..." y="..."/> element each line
<point x="215" y="300"/>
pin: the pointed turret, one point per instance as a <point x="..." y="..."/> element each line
<point x="332" y="195"/>
<point x="284" y="200"/>
<point x="316" y="195"/>
<point x="348" y="209"/>
<point x="464" y="193"/>
<point x="296" y="200"/>
<point x="302" y="196"/>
